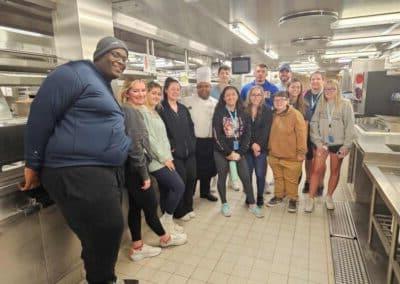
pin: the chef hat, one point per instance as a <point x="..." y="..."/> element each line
<point x="203" y="74"/>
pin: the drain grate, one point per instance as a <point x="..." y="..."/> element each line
<point x="341" y="223"/>
<point x="348" y="262"/>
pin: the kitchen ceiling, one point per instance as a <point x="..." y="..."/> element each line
<point x="207" y="22"/>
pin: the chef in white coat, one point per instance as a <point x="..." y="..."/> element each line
<point x="201" y="107"/>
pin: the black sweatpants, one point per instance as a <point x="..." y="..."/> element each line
<point x="139" y="200"/>
<point x="187" y="171"/>
<point x="90" y="201"/>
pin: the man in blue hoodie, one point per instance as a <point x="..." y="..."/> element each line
<point x="270" y="89"/>
<point x="75" y="145"/>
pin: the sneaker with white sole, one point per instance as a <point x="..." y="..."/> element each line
<point x="330" y="205"/>
<point x="170" y="226"/>
<point x="175" y="240"/>
<point x="256" y="211"/>
<point x="185" y="217"/>
<point x="226" y="210"/>
<point x="309" y="206"/>
<point x="144" y="252"/>
<point x="192" y="214"/>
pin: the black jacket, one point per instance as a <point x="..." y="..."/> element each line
<point x="180" y="130"/>
<point x="260" y="128"/>
<point x="224" y="141"/>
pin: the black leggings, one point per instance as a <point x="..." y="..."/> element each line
<point x="187" y="171"/>
<point x="139" y="200"/>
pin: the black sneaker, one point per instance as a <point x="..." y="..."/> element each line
<point x="260" y="201"/>
<point x="209" y="197"/>
<point x="306" y="187"/>
<point x="320" y="190"/>
<point x="274" y="201"/>
<point x="292" y="208"/>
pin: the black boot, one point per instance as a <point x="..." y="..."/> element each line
<point x="209" y="197"/>
<point x="306" y="187"/>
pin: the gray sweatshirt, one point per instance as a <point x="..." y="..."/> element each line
<point x="139" y="152"/>
<point x="342" y="124"/>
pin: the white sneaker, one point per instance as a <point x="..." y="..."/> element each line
<point x="309" y="206"/>
<point x="144" y="251"/>
<point x="185" y="218"/>
<point x="192" y="214"/>
<point x="330" y="205"/>
<point x="170" y="227"/>
<point x="175" y="240"/>
<point x="235" y="186"/>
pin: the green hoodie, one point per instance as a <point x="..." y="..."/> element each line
<point x="159" y="143"/>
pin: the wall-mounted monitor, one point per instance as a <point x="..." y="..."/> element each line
<point x="241" y="65"/>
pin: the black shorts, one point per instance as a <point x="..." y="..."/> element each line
<point x="334" y="148"/>
<point x="310" y="149"/>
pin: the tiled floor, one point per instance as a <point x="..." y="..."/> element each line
<point x="280" y="248"/>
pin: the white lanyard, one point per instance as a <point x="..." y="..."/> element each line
<point x="314" y="102"/>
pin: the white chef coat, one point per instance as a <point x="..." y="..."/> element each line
<point x="201" y="112"/>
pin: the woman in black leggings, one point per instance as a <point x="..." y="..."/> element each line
<point x="142" y="195"/>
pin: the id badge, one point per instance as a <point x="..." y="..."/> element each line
<point x="235" y="145"/>
<point x="331" y="139"/>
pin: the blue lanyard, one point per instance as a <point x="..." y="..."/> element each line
<point x="314" y="102"/>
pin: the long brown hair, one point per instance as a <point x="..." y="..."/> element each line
<point x="125" y="88"/>
<point x="221" y="102"/>
<point x="249" y="105"/>
<point x="299" y="104"/>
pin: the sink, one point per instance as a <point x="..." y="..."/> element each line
<point x="393" y="175"/>
<point x="394" y="147"/>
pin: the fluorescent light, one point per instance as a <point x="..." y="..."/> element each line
<point x="242" y="31"/>
<point x="343" y="60"/>
<point x="271" y="54"/>
<point x="349" y="50"/>
<point x="382" y="19"/>
<point x="350" y="55"/>
<point x="363" y="40"/>
<point x="394" y="44"/>
<point x="23" y="32"/>
<point x="394" y="57"/>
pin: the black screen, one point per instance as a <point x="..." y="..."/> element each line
<point x="241" y="65"/>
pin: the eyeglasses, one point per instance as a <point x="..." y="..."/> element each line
<point x="330" y="90"/>
<point x="279" y="100"/>
<point x="119" y="57"/>
<point x="257" y="95"/>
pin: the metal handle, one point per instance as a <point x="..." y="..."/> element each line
<point x="22" y="212"/>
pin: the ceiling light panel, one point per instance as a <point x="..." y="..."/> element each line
<point x="374" y="20"/>
<point x="364" y="40"/>
<point x="245" y="33"/>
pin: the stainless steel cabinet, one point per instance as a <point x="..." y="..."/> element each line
<point x="21" y="252"/>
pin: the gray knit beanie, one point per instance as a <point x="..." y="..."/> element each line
<point x="106" y="44"/>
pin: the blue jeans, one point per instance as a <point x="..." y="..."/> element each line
<point x="259" y="164"/>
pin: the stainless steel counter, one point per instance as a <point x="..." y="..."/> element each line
<point x="384" y="217"/>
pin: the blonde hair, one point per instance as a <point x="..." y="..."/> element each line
<point x="248" y="103"/>
<point x="125" y="88"/>
<point x="338" y="97"/>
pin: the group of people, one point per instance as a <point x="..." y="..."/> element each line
<point x="150" y="140"/>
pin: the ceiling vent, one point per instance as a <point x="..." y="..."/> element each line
<point x="310" y="40"/>
<point x="331" y="15"/>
